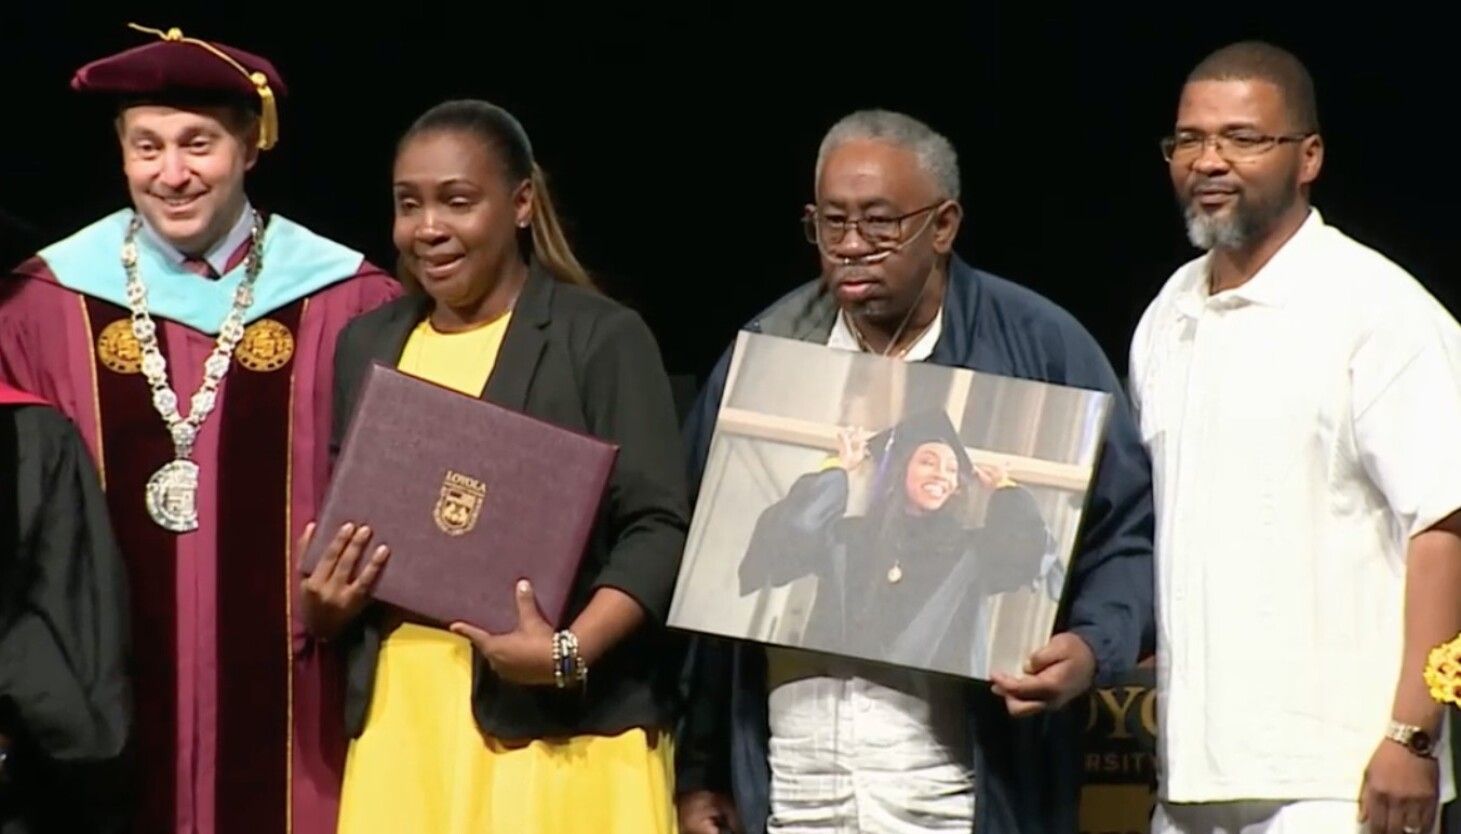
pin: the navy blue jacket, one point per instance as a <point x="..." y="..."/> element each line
<point x="1026" y="771"/>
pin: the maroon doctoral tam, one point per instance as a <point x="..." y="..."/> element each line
<point x="176" y="68"/>
<point x="469" y="496"/>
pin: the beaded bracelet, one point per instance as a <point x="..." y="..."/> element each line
<point x="557" y="660"/>
<point x="568" y="665"/>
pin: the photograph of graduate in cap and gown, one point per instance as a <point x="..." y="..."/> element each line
<point x="65" y="699"/>
<point x="906" y="513"/>
<point x="190" y="336"/>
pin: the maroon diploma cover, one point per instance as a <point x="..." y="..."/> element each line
<point x="469" y="496"/>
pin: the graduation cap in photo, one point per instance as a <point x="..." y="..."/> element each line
<point x="179" y="70"/>
<point x="894" y="446"/>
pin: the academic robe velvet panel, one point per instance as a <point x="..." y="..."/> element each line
<point x="235" y="703"/>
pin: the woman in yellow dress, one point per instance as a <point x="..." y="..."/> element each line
<point x="459" y="730"/>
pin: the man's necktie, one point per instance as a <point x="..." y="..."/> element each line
<point x="199" y="266"/>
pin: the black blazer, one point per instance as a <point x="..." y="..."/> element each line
<point x="578" y="359"/>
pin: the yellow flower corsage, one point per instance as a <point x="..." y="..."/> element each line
<point x="1443" y="672"/>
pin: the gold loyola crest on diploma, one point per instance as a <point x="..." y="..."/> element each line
<point x="266" y="345"/>
<point x="460" y="503"/>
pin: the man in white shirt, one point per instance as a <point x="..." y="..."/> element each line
<point x="1300" y="396"/>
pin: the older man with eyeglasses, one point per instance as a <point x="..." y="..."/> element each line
<point x="779" y="741"/>
<point x="1300" y="395"/>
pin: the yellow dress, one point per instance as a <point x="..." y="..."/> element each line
<point x="422" y="765"/>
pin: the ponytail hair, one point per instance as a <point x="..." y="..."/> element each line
<point x="545" y="236"/>
<point x="501" y="132"/>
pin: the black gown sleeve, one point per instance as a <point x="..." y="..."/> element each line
<point x="1013" y="542"/>
<point x="63" y="622"/>
<point x="65" y="698"/>
<point x="793" y="535"/>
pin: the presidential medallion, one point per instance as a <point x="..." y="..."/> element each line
<point x="172" y="493"/>
<point x="172" y="496"/>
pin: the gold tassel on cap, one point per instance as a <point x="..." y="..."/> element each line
<point x="269" y="115"/>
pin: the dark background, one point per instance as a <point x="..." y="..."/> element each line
<point x="681" y="145"/>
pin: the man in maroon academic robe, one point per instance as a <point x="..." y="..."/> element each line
<point x="119" y="325"/>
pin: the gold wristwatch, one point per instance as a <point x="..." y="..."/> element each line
<point x="1412" y="738"/>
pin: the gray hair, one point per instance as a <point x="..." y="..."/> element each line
<point x="935" y="154"/>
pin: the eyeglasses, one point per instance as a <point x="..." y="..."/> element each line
<point x="1232" y="145"/>
<point x="829" y="229"/>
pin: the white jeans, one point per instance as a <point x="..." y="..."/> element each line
<point x="867" y="750"/>
<point x="1315" y="816"/>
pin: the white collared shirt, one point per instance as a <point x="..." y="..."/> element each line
<point x="858" y="747"/>
<point x="219" y="254"/>
<point x="1302" y="427"/>
<point x="844" y="339"/>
